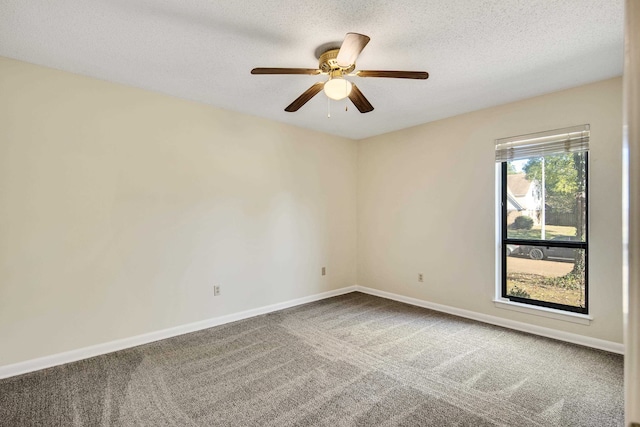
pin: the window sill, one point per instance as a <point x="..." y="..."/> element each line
<point x="582" y="319"/>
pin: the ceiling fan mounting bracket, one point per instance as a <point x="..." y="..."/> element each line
<point x="328" y="64"/>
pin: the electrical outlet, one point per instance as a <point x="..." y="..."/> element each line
<point x="324" y="271"/>
<point x="420" y="277"/>
<point x="216" y="290"/>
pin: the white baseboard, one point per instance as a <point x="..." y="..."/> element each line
<point x="109" y="347"/>
<point x="610" y="346"/>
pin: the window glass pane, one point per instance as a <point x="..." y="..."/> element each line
<point x="546" y="198"/>
<point x="549" y="274"/>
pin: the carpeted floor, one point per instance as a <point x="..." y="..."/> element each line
<point x="353" y="360"/>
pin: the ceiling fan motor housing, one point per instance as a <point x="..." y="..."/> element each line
<point x="329" y="65"/>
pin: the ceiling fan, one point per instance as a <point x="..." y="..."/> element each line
<point x="337" y="63"/>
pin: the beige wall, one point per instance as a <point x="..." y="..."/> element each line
<point x="120" y="209"/>
<point x="426" y="204"/>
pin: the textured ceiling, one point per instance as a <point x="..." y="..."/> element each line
<point x="479" y="53"/>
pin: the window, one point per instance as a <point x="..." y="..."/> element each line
<point x="544" y="233"/>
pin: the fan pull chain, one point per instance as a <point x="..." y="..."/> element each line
<point x="328" y="107"/>
<point x="346" y="88"/>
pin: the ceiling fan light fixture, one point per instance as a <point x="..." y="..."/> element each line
<point x="337" y="88"/>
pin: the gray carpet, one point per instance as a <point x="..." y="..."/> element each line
<point x="353" y="360"/>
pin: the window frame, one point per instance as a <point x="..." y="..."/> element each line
<point x="505" y="240"/>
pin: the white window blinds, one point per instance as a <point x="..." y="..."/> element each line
<point x="567" y="140"/>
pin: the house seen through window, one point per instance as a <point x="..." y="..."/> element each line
<point x="544" y="219"/>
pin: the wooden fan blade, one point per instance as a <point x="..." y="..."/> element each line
<point x="305" y="97"/>
<point x="310" y="71"/>
<point x="358" y="99"/>
<point x="352" y="45"/>
<point x="422" y="75"/>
